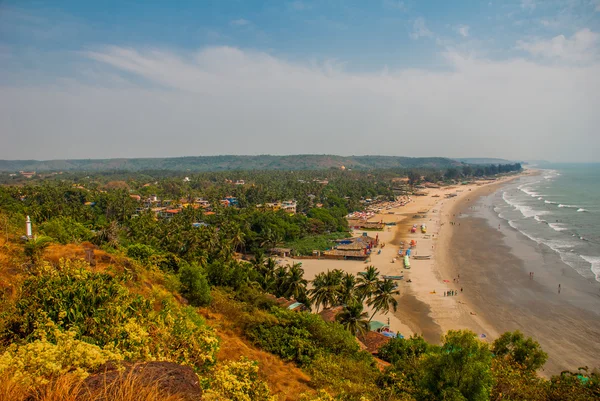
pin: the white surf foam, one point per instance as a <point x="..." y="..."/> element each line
<point x="550" y="202"/>
<point x="581" y="210"/>
<point x="528" y="211"/>
<point x="569" y="206"/>
<point x="558" y="226"/>
<point x="594" y="262"/>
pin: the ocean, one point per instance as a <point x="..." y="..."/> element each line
<point x="559" y="208"/>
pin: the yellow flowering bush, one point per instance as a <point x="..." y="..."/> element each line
<point x="238" y="381"/>
<point x="98" y="308"/>
<point x="41" y="360"/>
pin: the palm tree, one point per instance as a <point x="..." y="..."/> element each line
<point x="383" y="297"/>
<point x="354" y="319"/>
<point x="34" y="248"/>
<point x="347" y="289"/>
<point x="326" y="289"/>
<point x="108" y="234"/>
<point x="266" y="270"/>
<point x="281" y="275"/>
<point x="367" y="283"/>
<point x="295" y="283"/>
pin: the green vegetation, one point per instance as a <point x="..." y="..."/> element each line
<point x="150" y="287"/>
<point x="306" y="245"/>
<point x="220" y="163"/>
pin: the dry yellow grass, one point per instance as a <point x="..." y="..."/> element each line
<point x="70" y="388"/>
<point x="284" y="379"/>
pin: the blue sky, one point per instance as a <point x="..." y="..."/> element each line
<point x="73" y="73"/>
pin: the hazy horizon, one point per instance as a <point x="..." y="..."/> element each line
<point x="518" y="80"/>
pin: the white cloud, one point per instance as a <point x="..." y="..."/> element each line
<point x="463" y="30"/>
<point x="581" y="46"/>
<point x="225" y="100"/>
<point x="528" y="4"/>
<point x="420" y="30"/>
<point x="239" y="22"/>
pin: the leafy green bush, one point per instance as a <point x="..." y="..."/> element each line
<point x="140" y="252"/>
<point x="300" y="337"/>
<point x="458" y="370"/>
<point x="521" y="351"/>
<point x="65" y="230"/>
<point x="100" y="310"/>
<point x="194" y="285"/>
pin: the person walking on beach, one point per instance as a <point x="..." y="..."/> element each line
<point x="559" y="288"/>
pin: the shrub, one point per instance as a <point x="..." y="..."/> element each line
<point x="459" y="369"/>
<point x="140" y="252"/>
<point x="99" y="310"/>
<point x="300" y="337"/>
<point x="41" y="360"/>
<point x="238" y="381"/>
<point x="194" y="285"/>
<point x="523" y="352"/>
<point x="66" y="230"/>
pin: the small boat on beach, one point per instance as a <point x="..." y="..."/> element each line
<point x="423" y="257"/>
<point x="393" y="277"/>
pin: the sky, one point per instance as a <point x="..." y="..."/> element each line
<point x="517" y="79"/>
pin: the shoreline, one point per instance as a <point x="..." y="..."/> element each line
<point x="493" y="265"/>
<point x="495" y="268"/>
<point x="437" y="276"/>
<point x="422" y="308"/>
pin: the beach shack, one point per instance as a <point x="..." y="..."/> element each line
<point x="281" y="252"/>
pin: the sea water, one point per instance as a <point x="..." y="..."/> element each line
<point x="560" y="208"/>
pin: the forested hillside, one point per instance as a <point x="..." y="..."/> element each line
<point x="230" y="162"/>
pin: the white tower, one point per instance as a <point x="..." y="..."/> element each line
<point x="28" y="227"/>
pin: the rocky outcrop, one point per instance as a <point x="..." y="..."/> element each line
<point x="169" y="378"/>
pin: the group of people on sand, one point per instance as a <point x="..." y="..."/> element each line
<point x="452" y="293"/>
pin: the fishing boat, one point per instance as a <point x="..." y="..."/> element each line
<point x="413" y="229"/>
<point x="423" y="228"/>
<point x="393" y="277"/>
<point x="406" y="262"/>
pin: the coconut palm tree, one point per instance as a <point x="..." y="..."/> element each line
<point x="326" y="289"/>
<point x="266" y="270"/>
<point x="367" y="283"/>
<point x="347" y="289"/>
<point x="34" y="248"/>
<point x="295" y="283"/>
<point x="354" y="319"/>
<point x="383" y="297"/>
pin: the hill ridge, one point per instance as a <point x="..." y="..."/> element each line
<point x="230" y="162"/>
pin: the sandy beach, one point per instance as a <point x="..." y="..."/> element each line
<point x="471" y="254"/>
<point x="423" y="308"/>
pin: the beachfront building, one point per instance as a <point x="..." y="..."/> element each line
<point x="281" y="252"/>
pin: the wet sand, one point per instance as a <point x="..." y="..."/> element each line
<point x="494" y="268"/>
